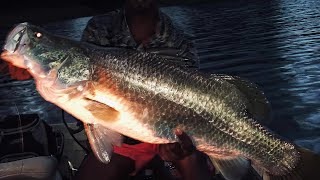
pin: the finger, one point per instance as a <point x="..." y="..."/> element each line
<point x="185" y="141"/>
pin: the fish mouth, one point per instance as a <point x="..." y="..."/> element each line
<point x="16" y="38"/>
<point x="15" y="44"/>
<point x="13" y="58"/>
<point x="15" y="51"/>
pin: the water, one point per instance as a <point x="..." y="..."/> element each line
<point x="275" y="44"/>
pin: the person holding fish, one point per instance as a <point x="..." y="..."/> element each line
<point x="140" y="25"/>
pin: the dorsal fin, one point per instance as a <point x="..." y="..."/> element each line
<point x="258" y="105"/>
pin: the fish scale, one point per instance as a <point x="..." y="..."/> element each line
<point x="190" y="94"/>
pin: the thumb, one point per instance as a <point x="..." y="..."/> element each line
<point x="185" y="141"/>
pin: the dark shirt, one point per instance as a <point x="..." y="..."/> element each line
<point x="169" y="41"/>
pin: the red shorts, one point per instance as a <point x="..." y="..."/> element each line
<point x="141" y="153"/>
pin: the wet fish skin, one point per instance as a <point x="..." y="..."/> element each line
<point x="153" y="97"/>
<point x="210" y="110"/>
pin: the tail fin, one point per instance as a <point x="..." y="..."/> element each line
<point x="308" y="168"/>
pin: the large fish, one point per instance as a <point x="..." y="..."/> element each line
<point x="143" y="96"/>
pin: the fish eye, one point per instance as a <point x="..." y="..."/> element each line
<point x="38" y="35"/>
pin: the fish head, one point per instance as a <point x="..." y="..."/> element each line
<point x="57" y="64"/>
<point x="31" y="47"/>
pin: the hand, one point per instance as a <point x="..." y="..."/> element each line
<point x="178" y="150"/>
<point x="191" y="163"/>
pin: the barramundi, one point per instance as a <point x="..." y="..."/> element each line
<point x="118" y="91"/>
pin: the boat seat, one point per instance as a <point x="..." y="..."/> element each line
<point x="34" y="168"/>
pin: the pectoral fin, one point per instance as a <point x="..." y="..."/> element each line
<point x="101" y="111"/>
<point x="101" y="140"/>
<point x="231" y="169"/>
<point x="100" y="137"/>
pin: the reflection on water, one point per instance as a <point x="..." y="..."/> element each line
<point x="275" y="44"/>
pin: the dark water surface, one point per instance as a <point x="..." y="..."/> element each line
<point x="275" y="44"/>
